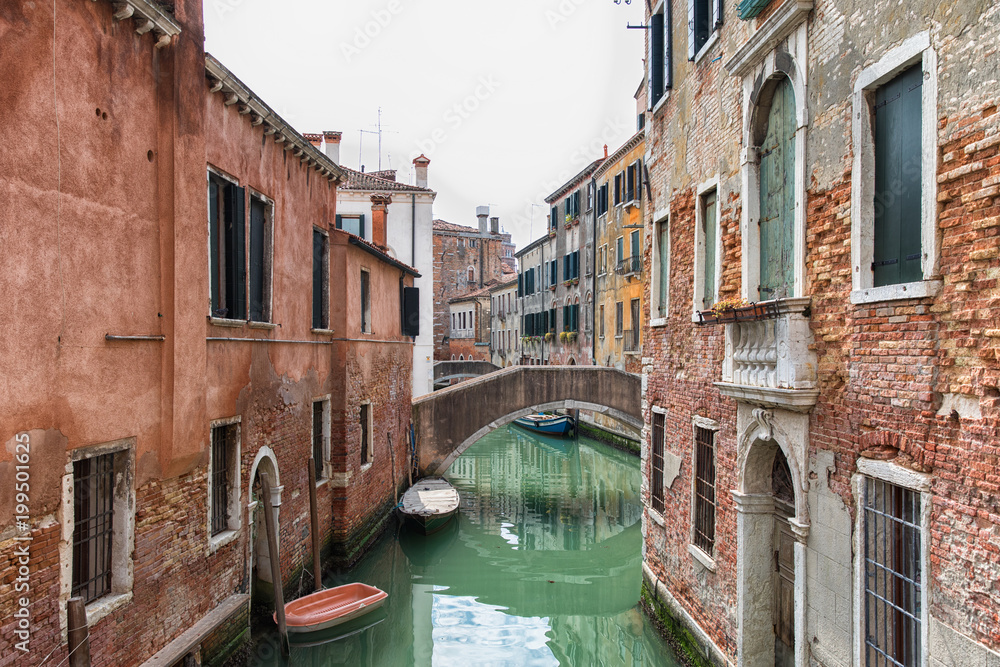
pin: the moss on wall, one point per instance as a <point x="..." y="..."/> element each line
<point x="615" y="440"/>
<point x="684" y="643"/>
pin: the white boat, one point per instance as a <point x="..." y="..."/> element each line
<point x="429" y="504"/>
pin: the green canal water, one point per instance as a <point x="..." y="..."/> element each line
<point x="542" y="567"/>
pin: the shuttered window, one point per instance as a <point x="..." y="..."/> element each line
<point x="260" y="261"/>
<point x="619" y="318"/>
<point x="353" y="224"/>
<point x="366" y="323"/>
<point x="663" y="265"/>
<point x="655" y="82"/>
<point x="704" y="16"/>
<point x="777" y="197"/>
<point x="897" y="208"/>
<point x="227" y="248"/>
<point x="710" y="233"/>
<point x="320" y="281"/>
<point x="668" y="46"/>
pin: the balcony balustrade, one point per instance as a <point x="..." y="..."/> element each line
<point x="768" y="361"/>
<point x="629" y="266"/>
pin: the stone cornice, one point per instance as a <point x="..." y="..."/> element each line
<point x="777" y="26"/>
<point x="148" y="16"/>
<point x="236" y="93"/>
<point x="629" y="145"/>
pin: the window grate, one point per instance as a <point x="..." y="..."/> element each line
<point x="892" y="575"/>
<point x="318" y="437"/>
<point x="365" y="435"/>
<point x="656" y="463"/>
<point x="222" y="437"/>
<point x="93" y="526"/>
<point x="704" y="490"/>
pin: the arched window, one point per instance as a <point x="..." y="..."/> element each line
<point x="471" y="275"/>
<point x="461" y="357"/>
<point x="776" y="137"/>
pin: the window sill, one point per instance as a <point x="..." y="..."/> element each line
<point x="222" y="539"/>
<point x="323" y="332"/>
<point x="658" y="322"/>
<point x="365" y="467"/>
<point x="101" y="607"/>
<point x="916" y="290"/>
<point x="706" y="47"/>
<point x="322" y="482"/>
<point x="655" y="516"/>
<point x="263" y="325"/>
<point x="703" y="558"/>
<point x="224" y="322"/>
<point x="660" y="102"/>
<point x="632" y="353"/>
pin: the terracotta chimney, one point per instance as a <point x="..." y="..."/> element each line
<point x="380" y="205"/>
<point x="332" y="140"/>
<point x="420" y="167"/>
<point x="314" y="139"/>
<point x="605" y="150"/>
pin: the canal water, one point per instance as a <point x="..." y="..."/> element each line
<point x="542" y="567"/>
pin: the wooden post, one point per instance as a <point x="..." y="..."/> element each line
<point x="78" y="634"/>
<point x="392" y="463"/>
<point x="314" y="522"/>
<point x="272" y="550"/>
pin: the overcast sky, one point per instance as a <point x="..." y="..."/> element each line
<point x="508" y="99"/>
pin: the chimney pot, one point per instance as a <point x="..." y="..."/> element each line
<point x="331" y="140"/>
<point x="380" y="205"/>
<point x="605" y="150"/>
<point x="420" y="169"/>
<point x="483" y="212"/>
<point x="495" y="225"/>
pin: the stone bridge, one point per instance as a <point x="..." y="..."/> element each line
<point x="449" y="420"/>
<point x="460" y="370"/>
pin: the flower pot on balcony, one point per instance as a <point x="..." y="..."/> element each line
<point x="549" y="337"/>
<point x="576" y="281"/>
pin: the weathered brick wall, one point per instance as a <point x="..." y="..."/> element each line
<point x="915" y="380"/>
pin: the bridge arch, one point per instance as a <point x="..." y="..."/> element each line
<point x="448" y="421"/>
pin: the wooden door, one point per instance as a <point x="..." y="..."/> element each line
<point x="784" y="592"/>
<point x="777" y="197"/>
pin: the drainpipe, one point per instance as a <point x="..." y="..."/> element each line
<point x="541" y="250"/>
<point x="593" y="275"/>
<point x="413" y="229"/>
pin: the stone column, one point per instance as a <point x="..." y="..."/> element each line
<point x="754" y="588"/>
<point x="801" y="531"/>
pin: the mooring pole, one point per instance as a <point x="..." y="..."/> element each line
<point x="314" y="519"/>
<point x="272" y="550"/>
<point x="78" y="634"/>
<point x="392" y="463"/>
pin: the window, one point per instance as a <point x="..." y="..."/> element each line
<point x="471" y="275"/>
<point x="352" y="224"/>
<point x="602" y="199"/>
<point x="602" y="320"/>
<point x="704" y="17"/>
<point x="366" y="316"/>
<point x="472" y="243"/>
<point x="893" y="576"/>
<point x="223" y="478"/>
<point x="619" y="319"/>
<point x="656" y="463"/>
<point x="590" y="195"/>
<point x="635" y="248"/>
<point x="619" y="187"/>
<point x="103" y="524"/>
<point x="227" y="248"/>
<point x="321" y="436"/>
<point x="707" y="246"/>
<point x="661" y="268"/>
<point x="553" y="217"/>
<point x="571" y="317"/>
<point x="632" y="341"/>
<point x="704" y="489"/>
<point x="261" y="225"/>
<point x="365" y="421"/>
<point x="619" y="251"/>
<point x="894" y="236"/>
<point x="320" y="280"/>
<point x="93" y="526"/>
<point x="632" y="183"/>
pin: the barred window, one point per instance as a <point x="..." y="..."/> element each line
<point x="704" y="489"/>
<point x="656" y="463"/>
<point x="893" y="576"/>
<point x="321" y="435"/>
<point x="223" y="440"/>
<point x="93" y="526"/>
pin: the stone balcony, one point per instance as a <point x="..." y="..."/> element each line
<point x="768" y="361"/>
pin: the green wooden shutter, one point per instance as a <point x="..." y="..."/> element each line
<point x="655" y="87"/>
<point x="257" y="263"/>
<point x="663" y="268"/>
<point x="777" y="197"/>
<point x="213" y="243"/>
<point x="340" y="224"/>
<point x="236" y="288"/>
<point x="361" y="226"/>
<point x="317" y="280"/>
<point x="710" y="230"/>
<point x="897" y="206"/>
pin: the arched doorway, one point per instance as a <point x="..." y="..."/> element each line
<point x="775" y="139"/>
<point x="261" y="584"/>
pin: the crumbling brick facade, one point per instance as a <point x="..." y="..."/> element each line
<point x="891" y="384"/>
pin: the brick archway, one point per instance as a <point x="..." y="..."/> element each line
<point x="448" y="421"/>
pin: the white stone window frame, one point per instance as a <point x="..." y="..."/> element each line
<point x="915" y="49"/>
<point x="657" y="266"/>
<point x="712" y="39"/>
<point x="699" y="244"/>
<point x="921" y="483"/>
<point x="369" y="446"/>
<point x="234" y="512"/>
<point x="123" y="532"/>
<point x="324" y="475"/>
<point x="755" y="80"/>
<point x="697" y="421"/>
<point x="653" y="514"/>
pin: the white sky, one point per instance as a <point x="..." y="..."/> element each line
<point x="508" y="99"/>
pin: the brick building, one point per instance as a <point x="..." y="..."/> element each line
<point x="465" y="258"/>
<point x="177" y="284"/>
<point x="820" y="471"/>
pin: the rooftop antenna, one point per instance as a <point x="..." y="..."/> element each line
<point x="378" y="130"/>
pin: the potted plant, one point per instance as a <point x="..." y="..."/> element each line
<point x="576" y="281"/>
<point x="562" y="336"/>
<point x="723" y="311"/>
<point x="570" y="336"/>
<point x="549" y="337"/>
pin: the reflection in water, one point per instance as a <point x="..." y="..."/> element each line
<point x="541" y="567"/>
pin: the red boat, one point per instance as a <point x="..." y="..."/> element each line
<point x="333" y="606"/>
